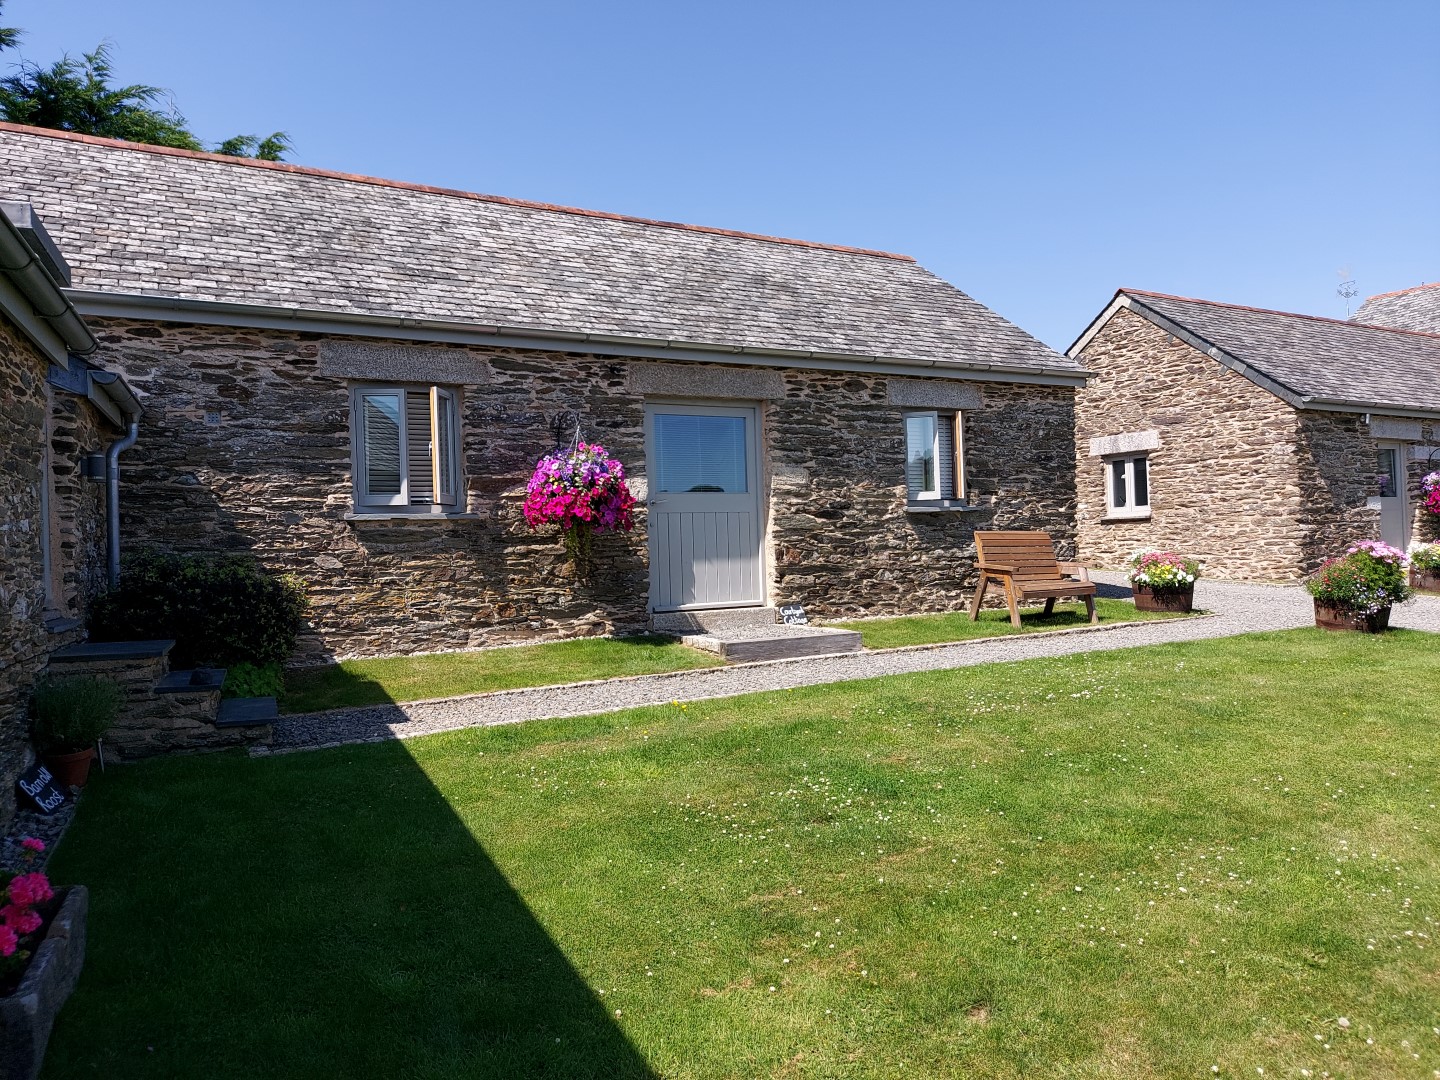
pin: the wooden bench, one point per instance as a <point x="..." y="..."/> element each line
<point x="1024" y="565"/>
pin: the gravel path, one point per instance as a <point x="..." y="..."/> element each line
<point x="1238" y="609"/>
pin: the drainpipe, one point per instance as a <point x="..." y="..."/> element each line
<point x="115" y="388"/>
<point x="112" y="496"/>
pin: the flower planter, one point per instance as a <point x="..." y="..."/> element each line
<point x="1177" y="600"/>
<point x="1333" y="618"/>
<point x="28" y="1013"/>
<point x="70" y="770"/>
<point x="1426" y="580"/>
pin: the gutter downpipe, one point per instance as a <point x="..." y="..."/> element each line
<point x="115" y="389"/>
<point x="112" y="496"/>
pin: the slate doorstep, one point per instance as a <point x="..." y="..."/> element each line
<point x="775" y="642"/>
<point x="28" y="1014"/>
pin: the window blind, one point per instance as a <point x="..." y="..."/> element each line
<point x="380" y="441"/>
<point x="417" y="447"/>
<point x="696" y="452"/>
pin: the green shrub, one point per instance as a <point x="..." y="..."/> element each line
<point x="221" y="611"/>
<point x="251" y="680"/>
<point x="69" y="714"/>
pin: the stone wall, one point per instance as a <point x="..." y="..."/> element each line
<point x="1337" y="475"/>
<point x="23" y="637"/>
<point x="1224" y="480"/>
<point x="245" y="446"/>
<point x="77" y="505"/>
<point x="843" y="543"/>
<point x="32" y="609"/>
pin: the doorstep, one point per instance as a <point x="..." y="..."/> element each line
<point x="776" y="641"/>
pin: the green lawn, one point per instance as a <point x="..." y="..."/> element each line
<point x="1136" y="863"/>
<point x="956" y="625"/>
<point x="411" y="678"/>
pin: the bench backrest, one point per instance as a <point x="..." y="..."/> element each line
<point x="1031" y="553"/>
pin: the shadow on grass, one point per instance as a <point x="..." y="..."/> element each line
<point x="395" y="679"/>
<point x="314" y="915"/>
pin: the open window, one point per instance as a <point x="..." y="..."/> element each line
<point x="406" y="448"/>
<point x="1127" y="486"/>
<point x="934" y="458"/>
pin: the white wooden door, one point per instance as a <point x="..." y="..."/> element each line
<point x="703" y="476"/>
<point x="1390" y="475"/>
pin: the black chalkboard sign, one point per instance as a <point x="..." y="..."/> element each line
<point x="40" y="788"/>
<point x="794" y="615"/>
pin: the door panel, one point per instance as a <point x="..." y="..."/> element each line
<point x="702" y="465"/>
<point x="1390" y="476"/>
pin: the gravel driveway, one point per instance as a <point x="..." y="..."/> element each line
<point x="1238" y="609"/>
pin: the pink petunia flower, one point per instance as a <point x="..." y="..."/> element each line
<point x="22" y="920"/>
<point x="30" y="889"/>
<point x="9" y="941"/>
<point x="32" y="843"/>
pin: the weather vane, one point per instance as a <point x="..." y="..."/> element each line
<point x="1347" y="289"/>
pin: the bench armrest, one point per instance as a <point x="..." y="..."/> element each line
<point x="1075" y="570"/>
<point x="997" y="568"/>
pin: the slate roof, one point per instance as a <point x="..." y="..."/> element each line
<point x="1408" y="309"/>
<point x="1313" y="359"/>
<point x="148" y="220"/>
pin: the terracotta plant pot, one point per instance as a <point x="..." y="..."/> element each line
<point x="1426" y="580"/>
<point x="1333" y="618"/>
<point x="70" y="770"/>
<point x="1178" y="600"/>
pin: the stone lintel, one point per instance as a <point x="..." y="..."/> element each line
<point x="401" y="364"/>
<point x="934" y="394"/>
<point x="1384" y="427"/>
<point x="1420" y="452"/>
<point x="706" y="381"/>
<point x="1128" y="442"/>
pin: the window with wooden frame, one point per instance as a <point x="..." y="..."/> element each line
<point x="1127" y="487"/>
<point x="405" y="448"/>
<point x="934" y="457"/>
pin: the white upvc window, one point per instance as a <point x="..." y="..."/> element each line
<point x="1127" y="486"/>
<point x="405" y="447"/>
<point x="934" y="456"/>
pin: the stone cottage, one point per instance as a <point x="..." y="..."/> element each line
<point x="352" y="379"/>
<point x="1405" y="309"/>
<point x="1261" y="442"/>
<point x="59" y="414"/>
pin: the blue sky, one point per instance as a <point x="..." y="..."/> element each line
<point x="1037" y="155"/>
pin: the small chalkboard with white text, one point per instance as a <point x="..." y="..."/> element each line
<point x="40" y="788"/>
<point x="794" y="615"/>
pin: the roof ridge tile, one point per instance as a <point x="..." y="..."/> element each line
<point x="1274" y="311"/>
<point x="428" y="189"/>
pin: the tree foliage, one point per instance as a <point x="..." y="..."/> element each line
<point x="78" y="94"/>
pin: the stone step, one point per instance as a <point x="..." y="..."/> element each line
<point x="199" y="681"/>
<point x="712" y="620"/>
<point x="775" y="642"/>
<point x="102" y="652"/>
<point x="247" y="712"/>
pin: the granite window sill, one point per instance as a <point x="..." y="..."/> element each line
<point x="394" y="517"/>
<point x="1116" y="519"/>
<point x="944" y="507"/>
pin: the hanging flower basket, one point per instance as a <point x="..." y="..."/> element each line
<point x="1430" y="493"/>
<point x="583" y="491"/>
